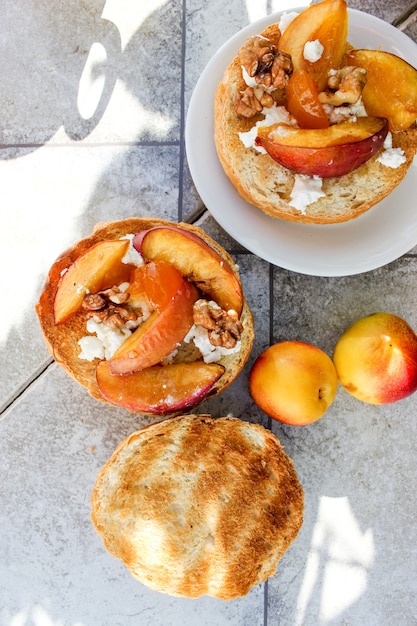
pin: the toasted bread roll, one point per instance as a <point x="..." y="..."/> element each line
<point x="199" y="506"/>
<point x="267" y="185"/>
<point x="62" y="339"/>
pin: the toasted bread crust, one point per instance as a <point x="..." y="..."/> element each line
<point x="267" y="185"/>
<point x="62" y="340"/>
<point x="199" y="506"/>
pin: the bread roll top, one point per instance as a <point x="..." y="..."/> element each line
<point x="196" y="505"/>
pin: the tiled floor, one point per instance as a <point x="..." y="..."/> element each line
<point x="73" y="153"/>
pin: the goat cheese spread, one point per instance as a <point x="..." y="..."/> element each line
<point x="306" y="190"/>
<point x="273" y="115"/>
<point x="103" y="341"/>
<point x="199" y="336"/>
<point x="286" y="19"/>
<point x="132" y="256"/>
<point x="391" y="157"/>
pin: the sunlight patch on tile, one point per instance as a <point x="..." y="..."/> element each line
<point x="339" y="562"/>
<point x="32" y="238"/>
<point x="137" y="119"/>
<point x="92" y="81"/>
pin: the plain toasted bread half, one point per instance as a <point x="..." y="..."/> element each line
<point x="199" y="506"/>
<point x="266" y="184"/>
<point x="62" y="339"/>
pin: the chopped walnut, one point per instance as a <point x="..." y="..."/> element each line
<point x="110" y="307"/>
<point x="116" y="295"/>
<point x="344" y="86"/>
<point x="224" y="327"/>
<point x="269" y="67"/>
<point x="94" y="302"/>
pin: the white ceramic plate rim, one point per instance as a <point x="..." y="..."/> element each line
<point x="376" y="238"/>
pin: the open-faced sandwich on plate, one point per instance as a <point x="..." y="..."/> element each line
<point x="196" y="505"/>
<point x="309" y="129"/>
<point x="147" y="314"/>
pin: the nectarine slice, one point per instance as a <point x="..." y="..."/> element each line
<point x="88" y="275"/>
<point x="326" y="152"/>
<point x="391" y="86"/>
<point x="158" y="281"/>
<point x="326" y="22"/>
<point x="159" y="335"/>
<point x="196" y="260"/>
<point x="303" y="101"/>
<point x="158" y="389"/>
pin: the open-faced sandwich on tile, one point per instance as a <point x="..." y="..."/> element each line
<point x="148" y="315"/>
<point x="309" y="129"/>
<point x="196" y="505"/>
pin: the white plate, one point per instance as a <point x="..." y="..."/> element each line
<point x="379" y="236"/>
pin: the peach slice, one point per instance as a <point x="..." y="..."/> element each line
<point x="156" y="280"/>
<point x="391" y="86"/>
<point x="196" y="260"/>
<point x="159" y="389"/>
<point x="326" y="22"/>
<point x="159" y="335"/>
<point x="303" y="101"/>
<point x="326" y="152"/>
<point x="88" y="275"/>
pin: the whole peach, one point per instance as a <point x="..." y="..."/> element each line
<point x="293" y="382"/>
<point x="376" y="359"/>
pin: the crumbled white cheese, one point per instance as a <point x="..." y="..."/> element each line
<point x="313" y="50"/>
<point x="345" y="113"/>
<point x="286" y="19"/>
<point x="306" y="190"/>
<point x="132" y="256"/>
<point x="104" y="344"/>
<point x="103" y="341"/>
<point x="273" y="115"/>
<point x="199" y="336"/>
<point x="391" y="157"/>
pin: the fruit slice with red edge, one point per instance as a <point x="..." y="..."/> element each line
<point x="326" y="152"/>
<point x="196" y="260"/>
<point x="303" y="101"/>
<point x="391" y="86"/>
<point x="159" y="335"/>
<point x="326" y="22"/>
<point x="159" y="389"/>
<point x="155" y="281"/>
<point x="90" y="273"/>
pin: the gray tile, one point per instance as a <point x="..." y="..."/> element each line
<point x="317" y="309"/>
<point x="88" y="74"/>
<point x="351" y="562"/>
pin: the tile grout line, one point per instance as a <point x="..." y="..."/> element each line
<point x="182" y="116"/>
<point x="407" y="17"/>
<point x="84" y="145"/>
<point x="25" y="386"/>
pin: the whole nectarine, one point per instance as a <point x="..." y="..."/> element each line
<point x="293" y="382"/>
<point x="376" y="359"/>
